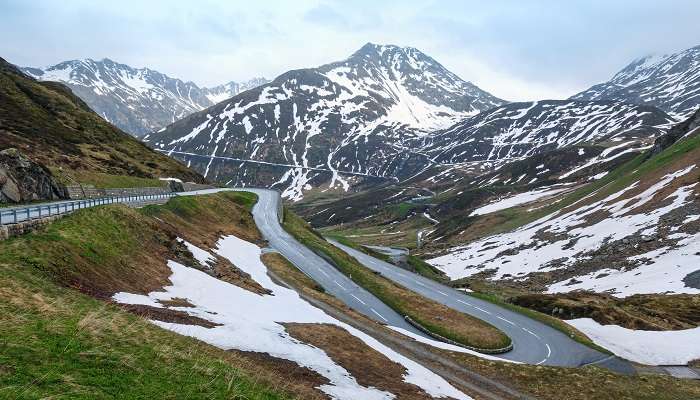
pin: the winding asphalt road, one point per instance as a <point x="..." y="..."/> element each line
<point x="533" y="341"/>
<point x="326" y="275"/>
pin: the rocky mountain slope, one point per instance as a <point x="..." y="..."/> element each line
<point x="635" y="231"/>
<point x="140" y="100"/>
<point x="518" y="130"/>
<point x="48" y="123"/>
<point x="355" y="115"/>
<point x="669" y="82"/>
<point x="511" y="149"/>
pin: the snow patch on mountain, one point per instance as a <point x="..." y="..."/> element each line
<point x="558" y="240"/>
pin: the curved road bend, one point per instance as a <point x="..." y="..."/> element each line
<point x="533" y="342"/>
<point x="333" y="281"/>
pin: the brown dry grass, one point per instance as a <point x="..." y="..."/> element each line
<point x="303" y="380"/>
<point x="368" y="366"/>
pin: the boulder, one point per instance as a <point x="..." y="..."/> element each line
<point x="22" y="179"/>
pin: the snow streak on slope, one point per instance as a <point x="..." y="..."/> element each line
<point x="670" y="82"/>
<point x="644" y="347"/>
<point x="518" y="199"/>
<point x="354" y="115"/>
<point x="558" y="241"/>
<point x="251" y="322"/>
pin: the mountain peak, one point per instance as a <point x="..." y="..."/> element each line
<point x="669" y="82"/>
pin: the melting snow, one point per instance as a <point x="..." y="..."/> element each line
<point x="575" y="236"/>
<point x="518" y="199"/>
<point x="251" y="322"/>
<point x="645" y="347"/>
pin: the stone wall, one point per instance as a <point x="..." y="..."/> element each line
<point x="20" y="228"/>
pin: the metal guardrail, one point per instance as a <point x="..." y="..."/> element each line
<point x="20" y="214"/>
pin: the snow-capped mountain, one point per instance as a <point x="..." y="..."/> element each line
<point x="669" y="82"/>
<point x="223" y="92"/>
<point x="518" y="130"/>
<point x="136" y="100"/>
<point x="355" y="115"/>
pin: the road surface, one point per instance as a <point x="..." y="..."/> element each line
<point x="533" y="341"/>
<point x="327" y="276"/>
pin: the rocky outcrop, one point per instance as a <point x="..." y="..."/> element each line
<point x="22" y="179"/>
<point x="679" y="131"/>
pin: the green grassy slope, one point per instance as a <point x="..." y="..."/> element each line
<point x="58" y="342"/>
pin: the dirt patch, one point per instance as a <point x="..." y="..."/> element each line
<point x="167" y="315"/>
<point x="368" y="366"/>
<point x="224" y="270"/>
<point x="176" y="302"/>
<point x="645" y="312"/>
<point x="300" y="379"/>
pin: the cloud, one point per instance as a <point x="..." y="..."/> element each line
<point x="517" y="50"/>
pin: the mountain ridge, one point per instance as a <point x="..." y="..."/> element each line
<point x="352" y="115"/>
<point x="137" y="100"/>
<point x="669" y="82"/>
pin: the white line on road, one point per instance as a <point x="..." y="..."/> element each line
<point x="482" y="310"/>
<point x="420" y="284"/>
<point x="464" y="302"/>
<point x="358" y="299"/>
<point x="380" y="315"/>
<point x="323" y="272"/>
<point x="531" y="333"/>
<point x="341" y="286"/>
<point x="442" y="293"/>
<point x="549" y="353"/>
<point x="503" y="319"/>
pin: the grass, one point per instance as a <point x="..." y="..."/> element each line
<point x="108" y="181"/>
<point x="423" y="268"/>
<point x="419" y="266"/>
<point x="436" y="317"/>
<point x="59" y="343"/>
<point x="48" y="123"/>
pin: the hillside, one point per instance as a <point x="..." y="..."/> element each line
<point x="518" y="130"/>
<point x="48" y="123"/>
<point x="669" y="82"/>
<point x="354" y="115"/>
<point x="635" y="231"/>
<point x="136" y="100"/>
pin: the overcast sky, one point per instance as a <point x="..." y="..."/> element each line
<point x="517" y="50"/>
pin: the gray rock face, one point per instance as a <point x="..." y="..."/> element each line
<point x="669" y="82"/>
<point x="138" y="101"/>
<point x="23" y="180"/>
